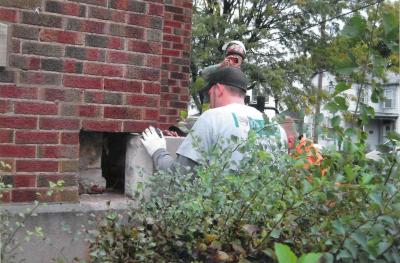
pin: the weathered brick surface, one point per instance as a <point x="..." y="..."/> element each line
<point x="93" y="65"/>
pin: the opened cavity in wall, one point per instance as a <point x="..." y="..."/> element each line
<point x="102" y="162"/>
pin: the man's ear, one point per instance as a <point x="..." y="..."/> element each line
<point x="220" y="89"/>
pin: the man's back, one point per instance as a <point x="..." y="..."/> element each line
<point x="217" y="126"/>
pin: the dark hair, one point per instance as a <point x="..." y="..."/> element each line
<point x="235" y="91"/>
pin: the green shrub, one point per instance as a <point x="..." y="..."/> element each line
<point x="352" y="214"/>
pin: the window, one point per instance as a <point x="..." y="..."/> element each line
<point x="389" y="98"/>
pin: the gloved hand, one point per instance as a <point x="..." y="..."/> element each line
<point x="152" y="140"/>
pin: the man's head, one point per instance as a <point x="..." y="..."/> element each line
<point x="225" y="86"/>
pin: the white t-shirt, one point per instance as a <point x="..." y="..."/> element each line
<point x="217" y="125"/>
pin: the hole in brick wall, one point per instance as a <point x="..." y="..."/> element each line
<point x="102" y="162"/>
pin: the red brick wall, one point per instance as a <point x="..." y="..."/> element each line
<point x="98" y="65"/>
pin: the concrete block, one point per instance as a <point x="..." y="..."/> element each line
<point x="138" y="163"/>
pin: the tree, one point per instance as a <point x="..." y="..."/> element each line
<point x="279" y="37"/>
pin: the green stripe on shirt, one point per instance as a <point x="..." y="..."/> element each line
<point x="235" y="119"/>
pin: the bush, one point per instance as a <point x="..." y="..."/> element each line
<point x="350" y="215"/>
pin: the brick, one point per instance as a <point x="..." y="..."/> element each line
<point x="123" y="57"/>
<point x="23" y="4"/>
<point x="156" y="23"/>
<point x="173" y="9"/>
<point x="40" y="49"/>
<point x="69" y="166"/>
<point x="70" y="9"/>
<point x="36" y="137"/>
<point x="113" y="98"/>
<point x="68" y="110"/>
<point x="85" y="53"/>
<point x="24" y="195"/>
<point x="170" y="52"/>
<point x="177" y="75"/>
<point x="179" y="18"/>
<point x="151" y="87"/>
<point x="67" y="95"/>
<point x="144" y="47"/>
<point x="89" y="111"/>
<point x="115" y="43"/>
<point x="6" y="136"/>
<point x="36" y="166"/>
<point x="156" y="9"/>
<point x="122" y="85"/>
<point x="68" y="194"/>
<point x="7" y="76"/>
<point x="40" y="78"/>
<point x="137" y="126"/>
<point x="172" y="38"/>
<point x="105" y="126"/>
<point x="71" y="66"/>
<point x="94" y="97"/>
<point x="139" y="20"/>
<point x="153" y="35"/>
<point x="70" y="152"/>
<point x="43" y="180"/>
<point x="25" y="180"/>
<point x="5" y="106"/>
<point x="103" y="69"/>
<point x="41" y="19"/>
<point x="174" y="24"/>
<point x="178" y="104"/>
<point x="70" y="138"/>
<point x="18" y="122"/>
<point x="117" y="30"/>
<point x="24" y="62"/>
<point x="130" y="5"/>
<point x="106" y="14"/>
<point x="8" y="15"/>
<point x="151" y="114"/>
<point x="134" y="32"/>
<point x="93" y="27"/>
<point x="153" y="61"/>
<point x="51" y="64"/>
<point x="143" y="73"/>
<point x="12" y="91"/>
<point x="180" y="61"/>
<point x="58" y="124"/>
<point x="16" y="45"/>
<point x="92" y="2"/>
<point x="122" y="113"/>
<point x="65" y="37"/>
<point x="35" y="108"/>
<point x="142" y="100"/>
<point x="21" y="151"/>
<point x="5" y="196"/>
<point x="104" y="42"/>
<point x="82" y="82"/>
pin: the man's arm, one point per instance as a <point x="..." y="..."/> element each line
<point x="163" y="161"/>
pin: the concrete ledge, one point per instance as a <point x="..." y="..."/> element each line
<point x="54" y="219"/>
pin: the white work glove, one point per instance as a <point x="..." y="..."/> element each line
<point x="152" y="141"/>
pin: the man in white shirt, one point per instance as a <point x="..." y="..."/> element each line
<point x="228" y="116"/>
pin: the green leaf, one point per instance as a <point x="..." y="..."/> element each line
<point x="335" y="121"/>
<point x="390" y="24"/>
<point x="394" y="136"/>
<point x="332" y="107"/>
<point x="340" y="87"/>
<point x="284" y="254"/>
<point x="360" y="238"/>
<point x="346" y="66"/>
<point x="341" y="102"/>
<point x="355" y="28"/>
<point x="310" y="258"/>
